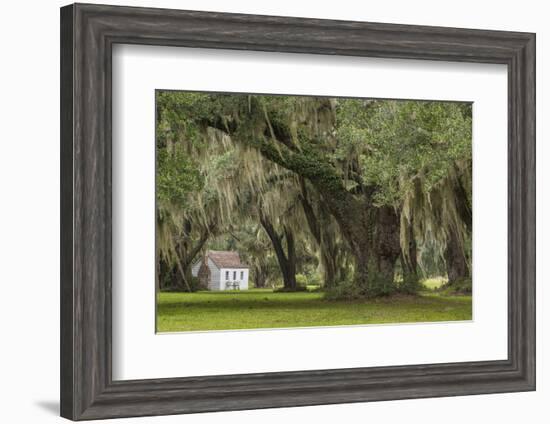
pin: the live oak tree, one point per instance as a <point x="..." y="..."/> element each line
<point x="427" y="173"/>
<point x="177" y="226"/>
<point x="187" y="206"/>
<point x="324" y="230"/>
<point x="357" y="163"/>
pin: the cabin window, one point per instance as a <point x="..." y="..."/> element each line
<point x="242" y="275"/>
<point x="227" y="275"/>
<point x="234" y="275"/>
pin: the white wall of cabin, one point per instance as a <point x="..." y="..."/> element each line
<point x="215" y="276"/>
<point x="243" y="282"/>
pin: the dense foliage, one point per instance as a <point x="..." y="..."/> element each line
<point x="360" y="196"/>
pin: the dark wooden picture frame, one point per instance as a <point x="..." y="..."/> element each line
<point x="88" y="33"/>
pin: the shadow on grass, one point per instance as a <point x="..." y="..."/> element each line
<point x="205" y="311"/>
<point x="242" y="301"/>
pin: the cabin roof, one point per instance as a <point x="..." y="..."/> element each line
<point x="226" y="259"/>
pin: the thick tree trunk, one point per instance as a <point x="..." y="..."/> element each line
<point x="287" y="261"/>
<point x="457" y="266"/>
<point x="387" y="246"/>
<point x="184" y="282"/>
<point x="327" y="246"/>
<point x="260" y="276"/>
<point x="187" y="253"/>
<point x="409" y="261"/>
<point x="329" y="267"/>
<point x="464" y="206"/>
<point x="372" y="234"/>
<point x="290" y="279"/>
<point x="376" y="248"/>
<point x="166" y="274"/>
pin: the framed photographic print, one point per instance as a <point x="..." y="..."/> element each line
<point x="263" y="212"/>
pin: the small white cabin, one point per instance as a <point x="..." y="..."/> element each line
<point x="221" y="270"/>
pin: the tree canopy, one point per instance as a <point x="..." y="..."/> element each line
<point x="354" y="190"/>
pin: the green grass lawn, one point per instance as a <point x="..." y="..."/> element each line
<point x="434" y="283"/>
<point x="261" y="308"/>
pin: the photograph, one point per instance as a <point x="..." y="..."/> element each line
<point x="275" y="212"/>
<point x="285" y="211"/>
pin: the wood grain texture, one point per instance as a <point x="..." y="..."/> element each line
<point x="66" y="213"/>
<point x="88" y="33"/>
